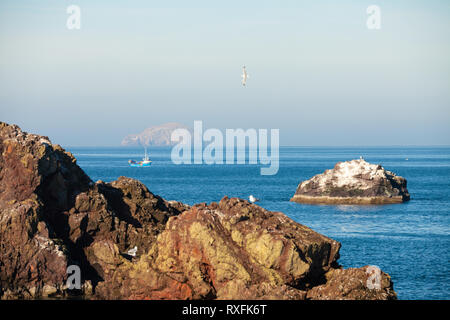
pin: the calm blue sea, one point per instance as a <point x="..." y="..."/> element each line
<point x="409" y="241"/>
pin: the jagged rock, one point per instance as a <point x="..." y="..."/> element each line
<point x="229" y="250"/>
<point x="52" y="216"/>
<point x="32" y="260"/>
<point x="353" y="182"/>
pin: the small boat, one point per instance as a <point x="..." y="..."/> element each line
<point x="146" y="162"/>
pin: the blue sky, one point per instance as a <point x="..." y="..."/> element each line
<point x="316" y="72"/>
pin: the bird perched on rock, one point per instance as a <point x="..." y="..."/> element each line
<point x="132" y="252"/>
<point x="252" y="199"/>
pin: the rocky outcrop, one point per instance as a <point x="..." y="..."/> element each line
<point x="353" y="182"/>
<point x="153" y="136"/>
<point x="53" y="216"/>
<point x="353" y="284"/>
<point x="227" y="250"/>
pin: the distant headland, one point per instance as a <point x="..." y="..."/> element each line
<point x="153" y="136"/>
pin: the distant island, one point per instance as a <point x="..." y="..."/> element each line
<point x="153" y="136"/>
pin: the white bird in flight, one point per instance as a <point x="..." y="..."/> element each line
<point x="244" y="76"/>
<point x="252" y="199"/>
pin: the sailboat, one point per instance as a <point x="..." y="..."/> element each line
<point x="146" y="162"/>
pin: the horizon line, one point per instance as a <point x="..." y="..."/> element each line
<point x="281" y="146"/>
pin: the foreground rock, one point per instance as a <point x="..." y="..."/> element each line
<point x="353" y="182"/>
<point x="52" y="215"/>
<point x="132" y="244"/>
<point x="353" y="284"/>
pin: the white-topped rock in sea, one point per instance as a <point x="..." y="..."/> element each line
<point x="353" y="182"/>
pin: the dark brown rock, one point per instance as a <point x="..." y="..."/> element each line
<point x="52" y="215"/>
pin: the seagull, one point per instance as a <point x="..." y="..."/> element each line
<point x="252" y="199"/>
<point x="132" y="252"/>
<point x="244" y="76"/>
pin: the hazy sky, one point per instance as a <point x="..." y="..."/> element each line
<point x="317" y="72"/>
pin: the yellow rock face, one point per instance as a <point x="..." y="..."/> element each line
<point x="231" y="252"/>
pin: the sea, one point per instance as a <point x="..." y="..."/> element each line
<point x="410" y="241"/>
